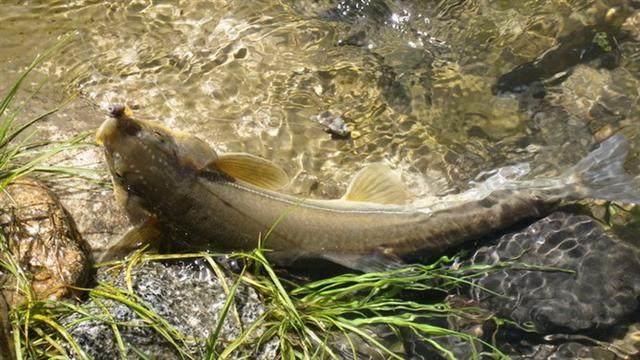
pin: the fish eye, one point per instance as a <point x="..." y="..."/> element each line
<point x="161" y="137"/>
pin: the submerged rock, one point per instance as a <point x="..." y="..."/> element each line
<point x="520" y="345"/>
<point x="621" y="343"/>
<point x="594" y="43"/>
<point x="598" y="286"/>
<point x="188" y="295"/>
<point x="562" y="351"/>
<point x="376" y="11"/>
<point x="42" y="238"/>
<point x="582" y="311"/>
<point x="629" y="341"/>
<point x="334" y="125"/>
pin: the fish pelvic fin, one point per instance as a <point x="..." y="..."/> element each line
<point x="601" y="175"/>
<point x="366" y="263"/>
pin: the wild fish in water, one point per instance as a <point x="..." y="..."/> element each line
<point x="175" y="186"/>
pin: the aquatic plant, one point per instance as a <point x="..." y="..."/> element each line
<point x="303" y="316"/>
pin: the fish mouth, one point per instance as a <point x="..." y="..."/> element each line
<point x="109" y="127"/>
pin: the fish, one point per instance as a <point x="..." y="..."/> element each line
<point x="176" y="188"/>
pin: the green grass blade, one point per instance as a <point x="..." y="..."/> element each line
<point x="62" y="331"/>
<point x="213" y="338"/>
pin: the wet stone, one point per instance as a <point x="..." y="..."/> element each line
<point x="598" y="286"/>
<point x="560" y="351"/>
<point x="621" y="343"/>
<point x="334" y="125"/>
<point x="42" y="237"/>
<point x="188" y="295"/>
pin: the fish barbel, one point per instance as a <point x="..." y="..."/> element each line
<point x="175" y="186"/>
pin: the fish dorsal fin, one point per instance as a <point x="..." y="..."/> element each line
<point x="253" y="170"/>
<point x="377" y="183"/>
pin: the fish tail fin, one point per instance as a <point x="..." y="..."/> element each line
<point x="600" y="175"/>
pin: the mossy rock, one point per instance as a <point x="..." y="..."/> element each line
<point x="42" y="238"/>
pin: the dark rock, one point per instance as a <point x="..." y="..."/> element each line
<point x="43" y="239"/>
<point x="562" y="351"/>
<point x="418" y="349"/>
<point x="188" y="295"/>
<point x="592" y="44"/>
<point x="355" y="347"/>
<point x="621" y="342"/>
<point x="357" y="39"/>
<point x="602" y="288"/>
<point x="334" y="125"/>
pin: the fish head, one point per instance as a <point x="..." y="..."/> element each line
<point x="147" y="159"/>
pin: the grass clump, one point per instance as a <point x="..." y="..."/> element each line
<point x="313" y="320"/>
<point x="333" y="318"/>
<point x="26" y="327"/>
<point x="20" y="153"/>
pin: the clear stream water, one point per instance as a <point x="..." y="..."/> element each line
<point x="411" y="80"/>
<point x="412" y="83"/>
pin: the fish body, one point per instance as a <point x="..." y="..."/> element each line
<point x="173" y="185"/>
<point x="233" y="214"/>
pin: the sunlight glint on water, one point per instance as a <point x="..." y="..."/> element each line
<point x="413" y="82"/>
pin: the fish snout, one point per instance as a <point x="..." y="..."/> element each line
<point x="120" y="111"/>
<point x="120" y="121"/>
<point x="106" y="132"/>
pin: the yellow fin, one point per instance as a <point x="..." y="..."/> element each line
<point x="378" y="184"/>
<point x="253" y="170"/>
<point x="145" y="233"/>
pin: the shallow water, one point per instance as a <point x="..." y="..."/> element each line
<point x="411" y="80"/>
<point x="412" y="83"/>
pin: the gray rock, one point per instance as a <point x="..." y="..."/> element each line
<point x="602" y="291"/>
<point x="188" y="295"/>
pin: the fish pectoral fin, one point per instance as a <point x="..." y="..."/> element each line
<point x="253" y="170"/>
<point x="372" y="262"/>
<point x="144" y="234"/>
<point x="195" y="152"/>
<point x="377" y="183"/>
